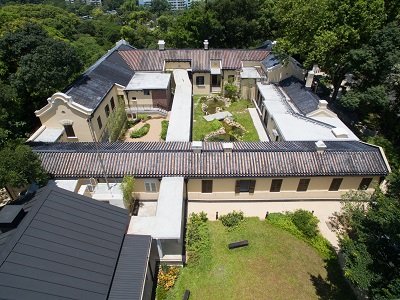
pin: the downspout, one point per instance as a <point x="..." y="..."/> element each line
<point x="185" y="216"/>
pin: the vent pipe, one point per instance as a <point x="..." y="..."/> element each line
<point x="197" y="146"/>
<point x="205" y="44"/>
<point x="310" y="79"/>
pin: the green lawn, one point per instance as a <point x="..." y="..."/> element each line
<point x="275" y="265"/>
<point x="239" y="112"/>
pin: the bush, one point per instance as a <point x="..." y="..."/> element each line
<point x="230" y="90"/>
<point x="306" y="222"/>
<point x="142" y="116"/>
<point x="197" y="237"/>
<point x="140" y="132"/>
<point x="232" y="219"/>
<point x="164" y="129"/>
<point x="167" y="276"/>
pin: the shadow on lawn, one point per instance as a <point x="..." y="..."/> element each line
<point x="334" y="286"/>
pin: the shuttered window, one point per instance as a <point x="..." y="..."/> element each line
<point x="365" y="182"/>
<point x="245" y="186"/>
<point x="206" y="186"/>
<point x="335" y="185"/>
<point x="303" y="185"/>
<point x="276" y="185"/>
<point x="107" y="110"/>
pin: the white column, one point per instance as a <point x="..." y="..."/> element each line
<point x="159" y="247"/>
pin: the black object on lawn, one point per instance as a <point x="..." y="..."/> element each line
<point x="238" y="244"/>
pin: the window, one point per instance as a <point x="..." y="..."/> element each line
<point x="276" y="185"/>
<point x="206" y="186"/>
<point x="335" y="185"/>
<point x="112" y="103"/>
<point x="107" y="110"/>
<point x="99" y="122"/>
<point x="150" y="186"/>
<point x="146" y="92"/>
<point x="69" y="130"/>
<point x="245" y="186"/>
<point x="365" y="182"/>
<point x="231" y="78"/>
<point x="303" y="185"/>
<point x="200" y="80"/>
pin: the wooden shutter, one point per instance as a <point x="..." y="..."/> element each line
<point x="303" y="185"/>
<point x="206" y="186"/>
<point x="365" y="182"/>
<point x="252" y="186"/>
<point x="335" y="185"/>
<point x="237" y="187"/>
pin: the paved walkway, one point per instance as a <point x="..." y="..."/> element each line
<point x="154" y="133"/>
<point x="258" y="125"/>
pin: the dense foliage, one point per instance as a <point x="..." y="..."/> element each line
<point x="127" y="188"/>
<point x="371" y="240"/>
<point x="232" y="219"/>
<point x="197" y="237"/>
<point x="116" y="122"/>
<point x="306" y="222"/>
<point x="164" y="129"/>
<point x="142" y="131"/>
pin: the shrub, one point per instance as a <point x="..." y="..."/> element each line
<point x="230" y="90"/>
<point x="306" y="222"/>
<point x="164" y="129"/>
<point x="142" y="116"/>
<point x="167" y="276"/>
<point x="232" y="219"/>
<point x="127" y="187"/>
<point x="140" y="132"/>
<point x="197" y="237"/>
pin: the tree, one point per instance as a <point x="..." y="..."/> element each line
<point x="324" y="32"/>
<point x="371" y="241"/>
<point x="127" y="187"/>
<point x="19" y="166"/>
<point x="159" y="6"/>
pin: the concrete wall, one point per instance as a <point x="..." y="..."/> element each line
<point x="201" y="89"/>
<point x="248" y="89"/>
<point x="281" y="72"/>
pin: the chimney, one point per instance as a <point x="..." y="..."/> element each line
<point x="10" y="217"/>
<point x="227" y="147"/>
<point x="310" y="78"/>
<point x="205" y="44"/>
<point x="320" y="146"/>
<point x="322" y="104"/>
<point x="161" y="45"/>
<point x="197" y="146"/>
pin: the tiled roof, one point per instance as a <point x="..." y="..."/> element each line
<point x="305" y="101"/>
<point x="66" y="247"/>
<point x="153" y="60"/>
<point x="262" y="159"/>
<point x="92" y="86"/>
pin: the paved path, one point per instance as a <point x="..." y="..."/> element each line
<point x="154" y="133"/>
<point x="258" y="125"/>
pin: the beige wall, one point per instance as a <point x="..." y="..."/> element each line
<point x="248" y="89"/>
<point x="224" y="189"/>
<point x="171" y="65"/>
<point x="141" y="98"/>
<point x="201" y="89"/>
<point x="282" y="72"/>
<point x="228" y="73"/>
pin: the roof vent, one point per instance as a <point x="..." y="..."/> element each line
<point x="10" y="216"/>
<point x="322" y="104"/>
<point x="197" y="146"/>
<point x="161" y="45"/>
<point x="227" y="147"/>
<point x="340" y="133"/>
<point x="205" y="44"/>
<point x="320" y="146"/>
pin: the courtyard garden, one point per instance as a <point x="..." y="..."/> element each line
<point x="234" y="123"/>
<point x="281" y="261"/>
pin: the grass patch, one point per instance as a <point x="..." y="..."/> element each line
<point x="164" y="129"/>
<point x="275" y="265"/>
<point x="140" y="132"/>
<point x="239" y="111"/>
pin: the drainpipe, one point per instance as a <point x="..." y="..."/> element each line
<point x="185" y="216"/>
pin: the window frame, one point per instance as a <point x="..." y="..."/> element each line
<point x="276" y="185"/>
<point x="150" y="184"/>
<point x="146" y="92"/>
<point x="206" y="186"/>
<point x="107" y="110"/>
<point x="335" y="184"/>
<point x="69" y="130"/>
<point x="245" y="186"/>
<point x="200" y="80"/>
<point x="365" y="183"/>
<point x="99" y="122"/>
<point x="303" y="184"/>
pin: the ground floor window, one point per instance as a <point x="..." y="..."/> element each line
<point x="150" y="186"/>
<point x="365" y="182"/>
<point x="276" y="185"/>
<point x="335" y="185"/>
<point x="245" y="186"/>
<point x="303" y="185"/>
<point x="200" y="80"/>
<point x="206" y="186"/>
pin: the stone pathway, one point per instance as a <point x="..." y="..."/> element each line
<point x="258" y="125"/>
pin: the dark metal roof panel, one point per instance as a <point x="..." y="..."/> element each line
<point x="268" y="159"/>
<point x="305" y="100"/>
<point x="63" y="248"/>
<point x="130" y="274"/>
